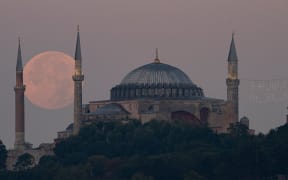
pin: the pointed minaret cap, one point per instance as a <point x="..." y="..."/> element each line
<point x="156" y="60"/>
<point x="232" y="52"/>
<point x="78" y="46"/>
<point x="19" y="66"/>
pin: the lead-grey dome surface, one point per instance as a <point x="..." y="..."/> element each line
<point x="156" y="73"/>
<point x="157" y="81"/>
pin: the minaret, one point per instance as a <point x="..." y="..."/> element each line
<point x="78" y="77"/>
<point x="19" y="104"/>
<point x="232" y="81"/>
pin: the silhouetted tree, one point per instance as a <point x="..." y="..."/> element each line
<point x="24" y="162"/>
<point x="161" y="150"/>
<point x="192" y="175"/>
<point x="97" y="166"/>
<point x="141" y="176"/>
<point x="238" y="130"/>
<point x="3" y="155"/>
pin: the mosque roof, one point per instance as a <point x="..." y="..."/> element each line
<point x="110" y="109"/>
<point x="157" y="73"/>
<point x="156" y="80"/>
<point x="70" y="127"/>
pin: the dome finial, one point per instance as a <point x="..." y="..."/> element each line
<point x="156" y="60"/>
<point x="233" y="33"/>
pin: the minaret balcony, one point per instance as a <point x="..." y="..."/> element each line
<point x="232" y="82"/>
<point x="20" y="88"/>
<point x="78" y="77"/>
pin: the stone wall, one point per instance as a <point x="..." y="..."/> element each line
<point x="220" y="112"/>
<point x="37" y="153"/>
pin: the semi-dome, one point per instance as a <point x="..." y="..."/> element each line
<point x="156" y="80"/>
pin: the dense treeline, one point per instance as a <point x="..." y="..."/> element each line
<point x="3" y="156"/>
<point x="162" y="150"/>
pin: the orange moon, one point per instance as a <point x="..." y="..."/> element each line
<point x="48" y="80"/>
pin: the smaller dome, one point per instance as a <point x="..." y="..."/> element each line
<point x="245" y="121"/>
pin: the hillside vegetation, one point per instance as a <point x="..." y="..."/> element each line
<point x="159" y="150"/>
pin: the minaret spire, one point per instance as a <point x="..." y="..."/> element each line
<point x="19" y="66"/>
<point x="232" y="80"/>
<point x="156" y="60"/>
<point x="78" y="77"/>
<point x="232" y="52"/>
<point x="19" y="104"/>
<point x="78" y="46"/>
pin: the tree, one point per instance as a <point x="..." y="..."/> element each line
<point x="24" y="162"/>
<point x="3" y="155"/>
<point x="97" y="165"/>
<point x="141" y="176"/>
<point x="192" y="175"/>
<point x="238" y="130"/>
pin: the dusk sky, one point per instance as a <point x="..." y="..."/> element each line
<point x="120" y="35"/>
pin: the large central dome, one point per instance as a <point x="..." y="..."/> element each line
<point x="158" y="81"/>
<point x="156" y="73"/>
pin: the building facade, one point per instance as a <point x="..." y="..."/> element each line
<point x="163" y="92"/>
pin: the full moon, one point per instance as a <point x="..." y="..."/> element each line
<point x="48" y="80"/>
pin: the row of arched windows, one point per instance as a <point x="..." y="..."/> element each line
<point x="124" y="92"/>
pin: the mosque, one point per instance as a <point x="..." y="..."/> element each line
<point x="157" y="91"/>
<point x="154" y="91"/>
<point x="162" y="92"/>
